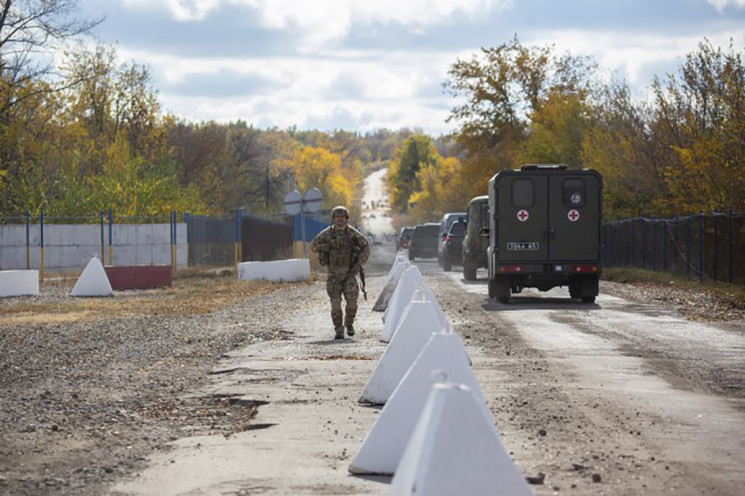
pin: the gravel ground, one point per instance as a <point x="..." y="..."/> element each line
<point x="86" y="399"/>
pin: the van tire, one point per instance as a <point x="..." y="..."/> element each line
<point x="501" y="288"/>
<point x="446" y="265"/>
<point x="469" y="273"/>
<point x="588" y="299"/>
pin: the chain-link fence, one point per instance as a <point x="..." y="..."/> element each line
<point x="703" y="246"/>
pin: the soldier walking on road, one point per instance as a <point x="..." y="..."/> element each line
<point x="344" y="250"/>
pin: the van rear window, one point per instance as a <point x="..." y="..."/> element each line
<point x="523" y="193"/>
<point x="573" y="193"/>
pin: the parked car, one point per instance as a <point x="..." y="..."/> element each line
<point x="476" y="241"/>
<point x="403" y="237"/>
<point x="445" y="223"/>
<point x="453" y="245"/>
<point x="424" y="240"/>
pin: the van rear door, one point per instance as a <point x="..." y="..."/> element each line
<point x="523" y="217"/>
<point x="548" y="216"/>
<point x="574" y="216"/>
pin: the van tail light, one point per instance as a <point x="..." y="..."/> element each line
<point x="511" y="269"/>
<point x="443" y="237"/>
<point x="404" y="244"/>
<point x="584" y="269"/>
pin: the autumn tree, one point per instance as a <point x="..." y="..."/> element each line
<point x="700" y="115"/>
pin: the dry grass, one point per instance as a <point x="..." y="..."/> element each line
<point x="194" y="291"/>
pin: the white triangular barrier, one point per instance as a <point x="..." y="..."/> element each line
<point x="386" y="440"/>
<point x="421" y="292"/>
<point x="419" y="320"/>
<point x="93" y="281"/>
<point x="409" y="281"/>
<point x="454" y="449"/>
<point x="399" y="267"/>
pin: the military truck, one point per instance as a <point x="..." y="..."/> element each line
<point x="476" y="241"/>
<point x="544" y="230"/>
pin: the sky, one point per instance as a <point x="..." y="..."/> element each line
<point x="364" y="65"/>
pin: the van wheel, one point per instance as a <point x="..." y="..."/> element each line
<point x="411" y="258"/>
<point x="501" y="287"/>
<point x="469" y="273"/>
<point x="588" y="299"/>
<point x="446" y="265"/>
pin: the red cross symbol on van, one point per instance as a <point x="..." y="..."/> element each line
<point x="573" y="215"/>
<point x="522" y="215"/>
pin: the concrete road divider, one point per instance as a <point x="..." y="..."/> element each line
<point x="19" y="283"/>
<point x="419" y="320"/>
<point x="93" y="281"/>
<point x="294" y="269"/>
<point x="381" y="304"/>
<point x="386" y="440"/>
<point x="455" y="449"/>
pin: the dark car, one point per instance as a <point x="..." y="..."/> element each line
<point x="424" y="239"/>
<point x="452" y="251"/>
<point x="402" y="240"/>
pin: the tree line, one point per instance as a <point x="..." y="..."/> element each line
<point x="89" y="134"/>
<point x="680" y="150"/>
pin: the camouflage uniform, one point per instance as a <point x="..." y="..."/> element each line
<point x="344" y="250"/>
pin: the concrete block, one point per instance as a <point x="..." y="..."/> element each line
<point x="124" y="277"/>
<point x="19" y="283"/>
<point x="294" y="269"/>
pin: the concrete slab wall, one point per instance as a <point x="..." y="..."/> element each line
<point x="71" y="246"/>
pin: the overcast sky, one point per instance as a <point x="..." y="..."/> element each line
<point x="361" y="65"/>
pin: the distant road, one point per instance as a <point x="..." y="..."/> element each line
<point x="376" y="217"/>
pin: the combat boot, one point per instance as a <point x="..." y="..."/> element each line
<point x="350" y="330"/>
<point x="339" y="330"/>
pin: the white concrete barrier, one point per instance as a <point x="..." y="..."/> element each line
<point x="455" y="449"/>
<point x="384" y="444"/>
<point x="93" y="281"/>
<point x="19" y="283"/>
<point x="417" y="324"/>
<point x="294" y="269"/>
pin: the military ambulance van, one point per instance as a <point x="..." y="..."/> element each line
<point x="545" y="231"/>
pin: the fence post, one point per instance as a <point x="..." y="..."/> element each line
<point x="653" y="226"/>
<point x="688" y="246"/>
<point x="619" y="240"/>
<point x="103" y="257"/>
<point x="716" y="251"/>
<point x="28" y="240"/>
<point x="189" y="234"/>
<point x="633" y="243"/>
<point x="675" y="242"/>
<point x="729" y="241"/>
<point x="700" y="245"/>
<point x="41" y="241"/>
<point x="238" y="222"/>
<point x="664" y="245"/>
<point x="111" y="222"/>
<point x="643" y="241"/>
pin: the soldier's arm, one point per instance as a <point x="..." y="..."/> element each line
<point x="364" y="245"/>
<point x="320" y="242"/>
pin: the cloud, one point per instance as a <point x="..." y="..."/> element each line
<point x="721" y="5"/>
<point x="324" y="22"/>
